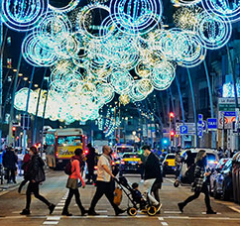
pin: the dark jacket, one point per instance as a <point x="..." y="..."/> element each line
<point x="35" y="166"/>
<point x="198" y="177"/>
<point x="91" y="157"/>
<point x="10" y="160"/>
<point x="152" y="168"/>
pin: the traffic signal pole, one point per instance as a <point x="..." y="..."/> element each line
<point x="194" y="108"/>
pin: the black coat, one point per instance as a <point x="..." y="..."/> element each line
<point x="152" y="168"/>
<point x="35" y="165"/>
<point x="10" y="160"/>
<point x="91" y="157"/>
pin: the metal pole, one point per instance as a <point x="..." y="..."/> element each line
<point x="13" y="97"/>
<point x="1" y="64"/>
<point x="211" y="102"/>
<point x="36" y="117"/>
<point x="194" y="107"/>
<point x="181" y="100"/>
<point x="43" y="121"/>
<point x="234" y="83"/>
<point x="26" y="110"/>
<point x="223" y="122"/>
<point x="233" y="76"/>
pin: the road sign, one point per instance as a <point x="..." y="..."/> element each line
<point x="226" y="104"/>
<point x="212" y="124"/>
<point x="204" y="126"/>
<point x="183" y="130"/>
<point x="228" y="116"/>
<point x="200" y="131"/>
<point x="200" y="122"/>
<point x="191" y="128"/>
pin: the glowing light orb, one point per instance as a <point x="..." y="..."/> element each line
<point x="23" y="15"/>
<point x="133" y="16"/>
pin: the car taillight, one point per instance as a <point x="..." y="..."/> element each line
<point x="122" y="162"/>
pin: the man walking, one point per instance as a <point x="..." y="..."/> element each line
<point x="90" y="163"/>
<point x="152" y="174"/>
<point x="10" y="160"/>
<point x="104" y="182"/>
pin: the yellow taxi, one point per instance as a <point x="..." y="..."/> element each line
<point x="169" y="164"/>
<point x="129" y="163"/>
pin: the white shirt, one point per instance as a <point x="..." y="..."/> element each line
<point x="102" y="175"/>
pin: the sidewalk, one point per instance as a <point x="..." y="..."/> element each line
<point x="5" y="186"/>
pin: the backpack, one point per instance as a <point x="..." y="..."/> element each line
<point x="68" y="168"/>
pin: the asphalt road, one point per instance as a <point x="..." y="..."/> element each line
<point x="11" y="204"/>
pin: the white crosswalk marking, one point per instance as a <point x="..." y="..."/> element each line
<point x="50" y="222"/>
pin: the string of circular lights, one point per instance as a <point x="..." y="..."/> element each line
<point x="126" y="51"/>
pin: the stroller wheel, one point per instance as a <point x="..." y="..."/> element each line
<point x="132" y="211"/>
<point x="176" y="184"/>
<point x="151" y="210"/>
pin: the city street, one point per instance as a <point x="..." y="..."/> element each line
<point x="54" y="189"/>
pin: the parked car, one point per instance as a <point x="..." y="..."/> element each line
<point x="212" y="161"/>
<point x="222" y="186"/>
<point x="236" y="177"/>
<point x="215" y="173"/>
<point x="169" y="164"/>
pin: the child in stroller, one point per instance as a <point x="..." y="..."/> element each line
<point x="135" y="198"/>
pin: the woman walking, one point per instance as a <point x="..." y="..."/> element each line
<point x="26" y="161"/>
<point x="199" y="184"/>
<point x="72" y="183"/>
<point x="35" y="175"/>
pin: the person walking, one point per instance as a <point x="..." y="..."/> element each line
<point x="90" y="163"/>
<point x="104" y="182"/>
<point x="152" y="174"/>
<point x="72" y="183"/>
<point x="10" y="160"/>
<point x="26" y="161"/>
<point x="36" y="175"/>
<point x="199" y="185"/>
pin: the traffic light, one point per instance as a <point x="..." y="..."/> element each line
<point x="171" y="115"/>
<point x="14" y="131"/>
<point x="172" y="134"/>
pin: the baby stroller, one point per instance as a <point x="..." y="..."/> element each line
<point x="133" y="204"/>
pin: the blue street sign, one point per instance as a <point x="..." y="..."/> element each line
<point x="200" y="131"/>
<point x="200" y="122"/>
<point x="212" y="123"/>
<point x="204" y="125"/>
<point x="229" y="113"/>
<point x="183" y="130"/>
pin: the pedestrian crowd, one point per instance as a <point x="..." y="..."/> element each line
<point x="151" y="174"/>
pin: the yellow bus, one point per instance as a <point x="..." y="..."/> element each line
<point x="61" y="144"/>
